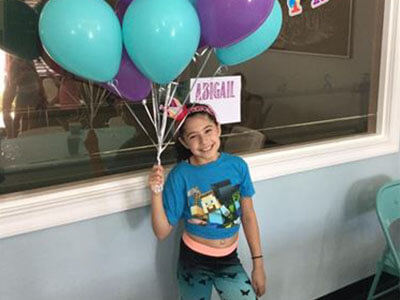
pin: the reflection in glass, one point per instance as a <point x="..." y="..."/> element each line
<point x="59" y="128"/>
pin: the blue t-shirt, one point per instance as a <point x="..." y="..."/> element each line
<point x="207" y="197"/>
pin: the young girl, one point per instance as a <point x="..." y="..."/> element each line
<point x="211" y="192"/>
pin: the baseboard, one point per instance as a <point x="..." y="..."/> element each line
<point x="359" y="290"/>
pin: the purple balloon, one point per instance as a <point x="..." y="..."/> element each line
<point x="121" y="8"/>
<point x="129" y="83"/>
<point x="226" y="22"/>
<point x="202" y="43"/>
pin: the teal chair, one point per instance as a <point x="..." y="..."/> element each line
<point x="388" y="210"/>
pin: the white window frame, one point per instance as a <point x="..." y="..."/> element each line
<point x="42" y="208"/>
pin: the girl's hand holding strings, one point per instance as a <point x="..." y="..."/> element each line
<point x="159" y="220"/>
<point x="156" y="179"/>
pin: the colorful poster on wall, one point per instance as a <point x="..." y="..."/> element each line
<point x="221" y="93"/>
<point x="296" y="6"/>
<point x="316" y="27"/>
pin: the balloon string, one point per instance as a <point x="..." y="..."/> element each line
<point x="158" y="188"/>
<point x="161" y="93"/>
<point x="167" y="102"/>
<point x="140" y="123"/>
<point x="97" y="98"/>
<point x="176" y="84"/>
<point x="77" y="101"/>
<point x="165" y="110"/>
<point x="217" y="72"/>
<point x="84" y="96"/>
<point x="144" y="103"/>
<point x="221" y="70"/>
<point x="91" y="104"/>
<point x="155" y="106"/>
<point x="113" y="85"/>
<point x="101" y="99"/>
<point x="197" y="54"/>
<point x="175" y="132"/>
<point x="188" y="94"/>
<point x="163" y="123"/>
<point x="204" y="51"/>
<point x="159" y="158"/>
<point x="159" y="119"/>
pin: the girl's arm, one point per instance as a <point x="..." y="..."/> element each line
<point x="251" y="231"/>
<point x="159" y="220"/>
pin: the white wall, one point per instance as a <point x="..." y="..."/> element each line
<point x="319" y="233"/>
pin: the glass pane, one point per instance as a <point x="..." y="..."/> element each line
<point x="319" y="81"/>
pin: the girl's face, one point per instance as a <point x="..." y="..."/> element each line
<point x="202" y="137"/>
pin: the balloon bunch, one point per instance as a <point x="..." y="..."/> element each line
<point x="146" y="41"/>
<point x="85" y="39"/>
<point x="140" y="41"/>
<point x="142" y="46"/>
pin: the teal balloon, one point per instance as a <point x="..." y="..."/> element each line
<point x="161" y="37"/>
<point x="82" y="36"/>
<point x="254" y="44"/>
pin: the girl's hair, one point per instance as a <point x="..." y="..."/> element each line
<point x="193" y="109"/>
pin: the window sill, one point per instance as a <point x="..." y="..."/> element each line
<point x="48" y="207"/>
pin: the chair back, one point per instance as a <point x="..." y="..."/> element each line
<point x="388" y="210"/>
<point x="244" y="139"/>
<point x="388" y="203"/>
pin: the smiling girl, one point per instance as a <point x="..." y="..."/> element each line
<point x="211" y="191"/>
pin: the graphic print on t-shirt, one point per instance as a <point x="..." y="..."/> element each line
<point x="219" y="207"/>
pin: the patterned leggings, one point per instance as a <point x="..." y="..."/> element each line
<point x="198" y="273"/>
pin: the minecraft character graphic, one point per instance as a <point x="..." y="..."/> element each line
<point x="211" y="207"/>
<point x="209" y="202"/>
<point x="229" y="197"/>
<point x="216" y="217"/>
<point x="205" y="208"/>
<point x="295" y="7"/>
<point x="220" y="206"/>
<point x="196" y="210"/>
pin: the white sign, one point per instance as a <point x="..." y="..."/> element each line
<point x="221" y="93"/>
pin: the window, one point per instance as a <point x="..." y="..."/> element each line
<point x="293" y="133"/>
